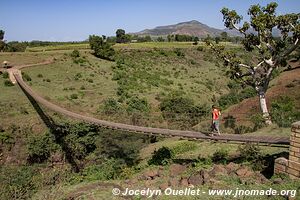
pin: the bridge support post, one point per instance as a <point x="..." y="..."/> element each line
<point x="291" y="166"/>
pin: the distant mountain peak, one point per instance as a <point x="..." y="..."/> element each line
<point x="192" y="27"/>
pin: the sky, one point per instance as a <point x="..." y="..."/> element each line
<point x="75" y="20"/>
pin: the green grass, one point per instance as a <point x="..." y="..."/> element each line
<point x="25" y="57"/>
<point x="58" y="47"/>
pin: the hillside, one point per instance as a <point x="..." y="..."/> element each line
<point x="79" y="160"/>
<point x="193" y="28"/>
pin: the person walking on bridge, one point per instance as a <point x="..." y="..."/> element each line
<point x="215" y="120"/>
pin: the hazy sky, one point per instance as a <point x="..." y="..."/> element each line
<point x="73" y="20"/>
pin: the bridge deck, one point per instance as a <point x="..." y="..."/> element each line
<point x="150" y="130"/>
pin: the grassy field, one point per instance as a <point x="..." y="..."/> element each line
<point x="58" y="47"/>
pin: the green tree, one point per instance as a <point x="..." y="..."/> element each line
<point x="121" y="37"/>
<point x="2" y="43"/>
<point x="2" y="34"/>
<point x="272" y="51"/>
<point x="160" y="39"/>
<point x="224" y="36"/>
<point x="102" y="49"/>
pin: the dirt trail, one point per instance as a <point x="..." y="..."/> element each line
<point x="16" y="69"/>
<point x="17" y="78"/>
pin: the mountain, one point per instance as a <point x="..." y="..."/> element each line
<point x="193" y="27"/>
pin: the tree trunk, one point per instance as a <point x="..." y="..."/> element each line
<point x="264" y="108"/>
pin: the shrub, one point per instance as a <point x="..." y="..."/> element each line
<point x="258" y="121"/>
<point x="250" y="152"/>
<point x="78" y="76"/>
<point x="179" y="108"/>
<point x="220" y="156"/>
<point x="17" y="182"/>
<point x="40" y="75"/>
<point x="283" y="112"/>
<point x="200" y="48"/>
<point x="179" y="53"/>
<point x="26" y="76"/>
<point x="39" y="148"/>
<point x="5" y="75"/>
<point x="74" y="96"/>
<point x="8" y="83"/>
<point x="242" y="129"/>
<point x="229" y="122"/>
<point x="111" y="106"/>
<point x="137" y="104"/>
<point x="108" y="170"/>
<point x="6" y="138"/>
<point x="161" y="157"/>
<point x="75" y="54"/>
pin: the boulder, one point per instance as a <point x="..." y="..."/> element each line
<point x="163" y="186"/>
<point x="176" y="169"/>
<point x="218" y="170"/>
<point x="173" y="182"/>
<point x="205" y="176"/>
<point x="278" y="181"/>
<point x="244" y="172"/>
<point x="184" y="182"/>
<point x="231" y="167"/>
<point x="196" y="179"/>
<point x="151" y="174"/>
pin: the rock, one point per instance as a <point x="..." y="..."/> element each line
<point x="196" y="179"/>
<point x="149" y="183"/>
<point x="164" y="186"/>
<point x="151" y="174"/>
<point x="161" y="172"/>
<point x="176" y="169"/>
<point x="205" y="176"/>
<point x="231" y="167"/>
<point x="173" y="182"/>
<point x="218" y="170"/>
<point x="244" y="172"/>
<point x="277" y="181"/>
<point x="184" y="182"/>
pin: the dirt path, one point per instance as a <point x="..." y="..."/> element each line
<point x="16" y="69"/>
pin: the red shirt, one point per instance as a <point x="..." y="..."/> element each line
<point x="215" y="114"/>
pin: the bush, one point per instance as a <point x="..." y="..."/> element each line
<point x="179" y="108"/>
<point x="179" y="53"/>
<point x="229" y="122"/>
<point x="283" y="112"/>
<point x="40" y="75"/>
<point x="242" y="129"/>
<point x="5" y="75"/>
<point x="26" y="76"/>
<point x="161" y="157"/>
<point x="17" y="182"/>
<point x="8" y="83"/>
<point x="200" y="48"/>
<point x="108" y="170"/>
<point x="73" y="96"/>
<point x="6" y="138"/>
<point x="250" y="152"/>
<point x="258" y="121"/>
<point x="220" y="156"/>
<point x="111" y="106"/>
<point x="39" y="148"/>
<point x="75" y="54"/>
<point x="137" y="104"/>
<point x="234" y="96"/>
